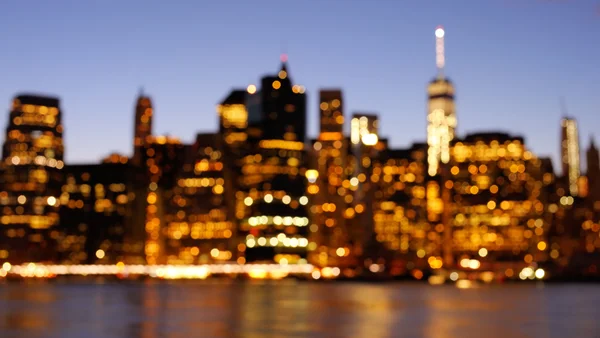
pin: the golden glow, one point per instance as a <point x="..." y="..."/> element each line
<point x="570" y="155"/>
<point x="312" y="175"/>
<point x="251" y="89"/>
<point x="100" y="254"/>
<point x="281" y="144"/>
<point x="233" y="115"/>
<point x="369" y="139"/>
<point x="276" y="84"/>
<point x="330" y="136"/>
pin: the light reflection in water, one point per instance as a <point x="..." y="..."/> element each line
<point x="265" y="309"/>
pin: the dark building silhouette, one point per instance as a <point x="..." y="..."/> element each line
<point x="142" y="126"/>
<point x="94" y="212"/>
<point x="272" y="213"/>
<point x="331" y="114"/>
<point x="593" y="172"/>
<point x="32" y="161"/>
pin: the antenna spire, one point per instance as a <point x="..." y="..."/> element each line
<point x="141" y="91"/>
<point x="440" y="59"/>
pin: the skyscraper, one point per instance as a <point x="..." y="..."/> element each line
<point x="364" y="155"/>
<point x="593" y="171"/>
<point x="271" y="205"/>
<point x="198" y="227"/>
<point x="32" y="158"/>
<point x="233" y="124"/>
<point x="142" y="126"/>
<point x="441" y="114"/>
<point x="570" y="156"/>
<point x="328" y="171"/>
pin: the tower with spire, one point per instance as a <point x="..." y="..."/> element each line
<point x="274" y="220"/>
<point x="142" y="125"/>
<point x="441" y="114"/>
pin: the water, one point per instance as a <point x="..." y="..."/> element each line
<point x="295" y="309"/>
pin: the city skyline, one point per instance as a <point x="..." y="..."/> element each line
<point x="400" y="103"/>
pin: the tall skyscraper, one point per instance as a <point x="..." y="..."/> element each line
<point x="364" y="154"/>
<point x="233" y="124"/>
<point x="142" y="126"/>
<point x="32" y="158"/>
<point x="570" y="156"/>
<point x="593" y="171"/>
<point x="328" y="172"/>
<point x="441" y="114"/>
<point x="271" y="206"/>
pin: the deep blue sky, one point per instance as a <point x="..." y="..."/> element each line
<point x="511" y="61"/>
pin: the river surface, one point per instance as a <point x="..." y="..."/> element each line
<point x="296" y="309"/>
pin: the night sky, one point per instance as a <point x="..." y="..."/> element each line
<point x="511" y="62"/>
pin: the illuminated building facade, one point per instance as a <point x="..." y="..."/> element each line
<point x="441" y="113"/>
<point x="271" y="206"/>
<point x="32" y="161"/>
<point x="329" y="185"/>
<point x="570" y="156"/>
<point x="163" y="157"/>
<point x="94" y="212"/>
<point x="233" y="124"/>
<point x="364" y="160"/>
<point x="198" y="227"/>
<point x="441" y="123"/>
<point x="498" y="215"/>
<point x="400" y="212"/>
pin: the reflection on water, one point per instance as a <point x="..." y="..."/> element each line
<point x="157" y="309"/>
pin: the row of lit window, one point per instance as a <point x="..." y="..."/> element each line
<point x="35" y="120"/>
<point x="34" y="221"/>
<point x="39" y="160"/>
<point x="279" y="241"/>
<point x="30" y="108"/>
<point x="6" y="199"/>
<point x="485" y="152"/>
<point x="278" y="220"/>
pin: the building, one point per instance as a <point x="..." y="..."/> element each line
<point x="142" y="126"/>
<point x="198" y="226"/>
<point x="328" y="184"/>
<point x="364" y="160"/>
<point x="570" y="157"/>
<point x="163" y="157"/>
<point x="498" y="210"/>
<point x="233" y="124"/>
<point x="271" y="205"/>
<point x="94" y="211"/>
<point x="441" y="112"/>
<point x="593" y="174"/>
<point x="400" y="213"/>
<point x="30" y="187"/>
